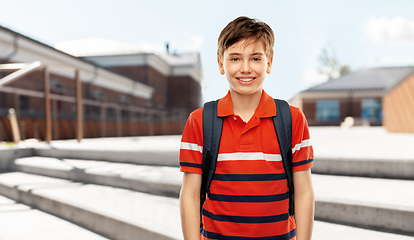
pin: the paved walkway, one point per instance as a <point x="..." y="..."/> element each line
<point x="362" y="142"/>
<point x="138" y="144"/>
<point x="19" y="221"/>
<point x="333" y="142"/>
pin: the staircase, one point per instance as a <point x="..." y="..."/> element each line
<point x="127" y="188"/>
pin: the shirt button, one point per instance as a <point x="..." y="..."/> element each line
<point x="234" y="118"/>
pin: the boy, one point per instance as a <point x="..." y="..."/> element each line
<point x="248" y="197"/>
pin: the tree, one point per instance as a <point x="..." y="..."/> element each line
<point x="330" y="65"/>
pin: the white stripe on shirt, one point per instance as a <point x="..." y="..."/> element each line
<point x="245" y="155"/>
<point x="304" y="143"/>
<point x="248" y="156"/>
<point x="191" y="146"/>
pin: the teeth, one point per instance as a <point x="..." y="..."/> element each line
<point x="246" y="79"/>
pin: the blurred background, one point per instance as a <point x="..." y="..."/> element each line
<point x="121" y="77"/>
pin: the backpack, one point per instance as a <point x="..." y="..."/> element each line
<point x="213" y="124"/>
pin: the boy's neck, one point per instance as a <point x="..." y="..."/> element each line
<point x="245" y="105"/>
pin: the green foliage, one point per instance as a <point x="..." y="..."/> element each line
<point x="331" y="67"/>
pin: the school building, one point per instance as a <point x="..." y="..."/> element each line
<point x="382" y="96"/>
<point x="121" y="90"/>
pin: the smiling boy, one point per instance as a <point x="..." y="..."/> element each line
<point x="248" y="197"/>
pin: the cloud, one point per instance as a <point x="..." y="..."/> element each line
<point x="311" y="78"/>
<point x="396" y="30"/>
<point x="394" y="60"/>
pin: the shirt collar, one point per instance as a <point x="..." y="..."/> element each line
<point x="266" y="108"/>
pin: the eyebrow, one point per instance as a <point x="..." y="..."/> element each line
<point x="238" y="54"/>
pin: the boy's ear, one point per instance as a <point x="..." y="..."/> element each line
<point x="220" y="65"/>
<point x="269" y="65"/>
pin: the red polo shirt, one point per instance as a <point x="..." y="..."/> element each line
<point x="248" y="197"/>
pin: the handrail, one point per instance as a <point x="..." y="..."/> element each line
<point x="34" y="93"/>
<point x="24" y="68"/>
<point x="13" y="66"/>
<point x="19" y="73"/>
<point x="14" y="125"/>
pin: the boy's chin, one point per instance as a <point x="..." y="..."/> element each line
<point x="247" y="92"/>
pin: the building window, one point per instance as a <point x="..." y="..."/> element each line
<point x="148" y="104"/>
<point x="371" y="109"/>
<point x="3" y="99"/>
<point x="156" y="118"/>
<point x="24" y="103"/>
<point x="96" y="111"/>
<point x="327" y="110"/>
<point x="125" y="115"/>
<point x="56" y="86"/>
<point x="98" y="95"/>
<point x="111" y="113"/>
<point x="160" y="106"/>
<point x="124" y="100"/>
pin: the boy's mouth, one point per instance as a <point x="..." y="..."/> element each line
<point x="246" y="79"/>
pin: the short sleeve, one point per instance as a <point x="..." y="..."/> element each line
<point x="302" y="149"/>
<point x="191" y="147"/>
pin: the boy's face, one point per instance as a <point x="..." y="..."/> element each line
<point x="245" y="65"/>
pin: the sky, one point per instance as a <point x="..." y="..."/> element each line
<point x="368" y="33"/>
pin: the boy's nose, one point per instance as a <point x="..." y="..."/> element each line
<point x="245" y="68"/>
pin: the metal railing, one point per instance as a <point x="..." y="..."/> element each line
<point x="23" y="69"/>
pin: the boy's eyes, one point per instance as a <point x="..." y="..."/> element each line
<point x="256" y="59"/>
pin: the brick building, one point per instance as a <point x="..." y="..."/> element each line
<point x="372" y="96"/>
<point x="398" y="105"/>
<point x="176" y="78"/>
<point x="123" y="93"/>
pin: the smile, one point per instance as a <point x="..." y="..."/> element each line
<point x="245" y="79"/>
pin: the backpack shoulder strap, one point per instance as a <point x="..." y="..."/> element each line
<point x="212" y="127"/>
<point x="283" y="127"/>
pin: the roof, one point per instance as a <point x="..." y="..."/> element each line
<point x="182" y="59"/>
<point x="45" y="45"/>
<point x="98" y="47"/>
<point x="115" y="82"/>
<point x="367" y="79"/>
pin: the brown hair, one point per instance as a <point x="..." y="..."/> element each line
<point x="242" y="28"/>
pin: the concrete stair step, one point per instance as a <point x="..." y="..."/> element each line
<point x="112" y="212"/>
<point x="117" y="213"/>
<point x="385" y="204"/>
<point x="148" y="150"/>
<point x="19" y="221"/>
<point x="365" y="167"/>
<point x="159" y="180"/>
<point x="331" y="231"/>
<point x="363" y="151"/>
<point x="7" y="156"/>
